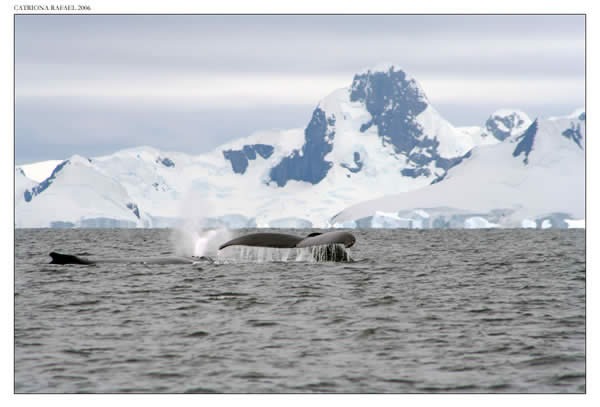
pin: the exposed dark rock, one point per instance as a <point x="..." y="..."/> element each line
<point x="357" y="161"/>
<point x="167" y="162"/>
<point x="239" y="158"/>
<point x="239" y="161"/>
<point x="574" y="133"/>
<point x="509" y="122"/>
<point x="264" y="150"/>
<point x="134" y="208"/>
<point x="393" y="102"/>
<point x="309" y="164"/>
<point x="415" y="172"/>
<point x="525" y="142"/>
<point x="446" y="164"/>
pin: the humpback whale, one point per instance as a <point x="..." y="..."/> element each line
<point x="331" y="240"/>
<point x="58" y="258"/>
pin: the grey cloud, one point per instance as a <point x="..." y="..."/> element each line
<point x="57" y="131"/>
<point x="240" y="26"/>
<point x="303" y="43"/>
<point x="52" y="48"/>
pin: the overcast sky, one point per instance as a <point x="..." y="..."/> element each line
<point x="91" y="85"/>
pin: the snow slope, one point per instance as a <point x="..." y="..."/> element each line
<point x="538" y="175"/>
<point x="39" y="171"/>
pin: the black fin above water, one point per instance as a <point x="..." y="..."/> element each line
<point x="58" y="258"/>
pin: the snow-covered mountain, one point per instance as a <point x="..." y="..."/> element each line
<point x="506" y="124"/>
<point x="536" y="179"/>
<point x="378" y="136"/>
<point x="76" y="194"/>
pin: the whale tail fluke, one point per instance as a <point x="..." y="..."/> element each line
<point x="274" y="240"/>
<point x="280" y="240"/>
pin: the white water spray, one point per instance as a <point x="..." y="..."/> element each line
<point x="193" y="235"/>
<point x="247" y="254"/>
<point x="203" y="241"/>
<point x="192" y="239"/>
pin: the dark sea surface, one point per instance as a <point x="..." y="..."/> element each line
<point x="419" y="311"/>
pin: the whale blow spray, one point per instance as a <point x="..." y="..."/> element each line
<point x="195" y="235"/>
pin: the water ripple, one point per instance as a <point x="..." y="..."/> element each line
<point x="440" y="311"/>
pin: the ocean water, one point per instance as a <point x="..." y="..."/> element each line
<point x="419" y="311"/>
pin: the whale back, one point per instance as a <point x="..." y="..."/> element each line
<point x="58" y="258"/>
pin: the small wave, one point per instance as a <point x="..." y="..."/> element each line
<point x="168" y="356"/>
<point x="570" y="377"/>
<point x="136" y="360"/>
<point x="551" y="360"/>
<point x="186" y="307"/>
<point x="197" y="334"/>
<point x="83" y="303"/>
<point x="228" y="294"/>
<point x="68" y="377"/>
<point x="386" y="300"/>
<point x="257" y="323"/>
<point x="86" y="351"/>
<point x="367" y="332"/>
<point x="319" y="386"/>
<point x="53" y="270"/>
<point x="163" y="375"/>
<point x="496" y="319"/>
<point x="484" y="309"/>
<point x="459" y="388"/>
<point x="254" y="376"/>
<point x="201" y="390"/>
<point x="27" y="344"/>
<point x="400" y="380"/>
<point x="499" y="386"/>
<point x="500" y="348"/>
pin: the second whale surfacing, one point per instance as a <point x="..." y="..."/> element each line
<point x="332" y="243"/>
<point x="59" y="258"/>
